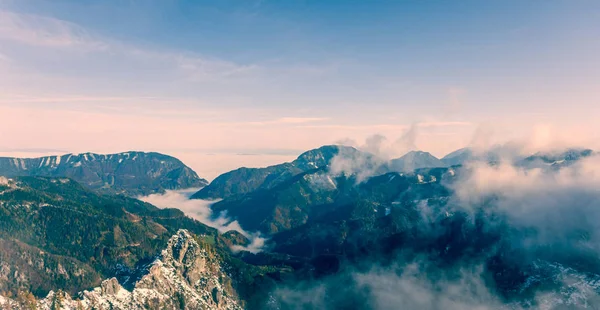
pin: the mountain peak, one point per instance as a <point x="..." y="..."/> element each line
<point x="415" y="160"/>
<point x="418" y="153"/>
<point x="458" y="157"/>
<point x="322" y="156"/>
<point x="555" y="159"/>
<point x="184" y="276"/>
<point x="244" y="180"/>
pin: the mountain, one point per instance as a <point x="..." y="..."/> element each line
<point x="555" y="159"/>
<point x="310" y="195"/>
<point x="54" y="233"/>
<point x="130" y="173"/>
<point x="415" y="160"/>
<point x="493" y="155"/>
<point x="458" y="157"/>
<point x="190" y="273"/>
<point x="245" y="180"/>
<point x="334" y="239"/>
<point x="397" y="221"/>
<point x="513" y="154"/>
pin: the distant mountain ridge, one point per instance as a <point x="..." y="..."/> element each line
<point x="415" y="160"/>
<point x="349" y="160"/>
<point x="245" y="180"/>
<point x="283" y="197"/>
<point x="458" y="157"/>
<point x="129" y="173"/>
<point x="555" y="159"/>
<point x="513" y="155"/>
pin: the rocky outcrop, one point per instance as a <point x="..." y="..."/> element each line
<point x="186" y="275"/>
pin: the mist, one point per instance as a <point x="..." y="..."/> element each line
<point x="509" y="237"/>
<point x="200" y="210"/>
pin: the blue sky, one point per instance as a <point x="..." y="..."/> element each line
<point x="267" y="76"/>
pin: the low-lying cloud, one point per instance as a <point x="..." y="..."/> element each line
<point x="407" y="287"/>
<point x="200" y="210"/>
<point x="557" y="204"/>
<point x="527" y="238"/>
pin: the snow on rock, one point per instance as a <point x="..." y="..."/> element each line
<point x="321" y="181"/>
<point x="6" y="303"/>
<point x="184" y="276"/>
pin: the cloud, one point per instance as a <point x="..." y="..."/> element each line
<point x="414" y="290"/>
<point x="290" y="121"/>
<point x="300" y="120"/>
<point x="201" y="211"/>
<point x="256" y="245"/>
<point x="507" y="237"/>
<point x="44" y="31"/>
<point x="410" y="286"/>
<point x="374" y="153"/>
<point x="442" y="124"/>
<point x="361" y="165"/>
<point x="555" y="202"/>
<point x="380" y="146"/>
<point x="407" y="142"/>
<point x="482" y="138"/>
<point x="27" y="37"/>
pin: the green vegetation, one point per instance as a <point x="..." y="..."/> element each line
<point x="58" y="234"/>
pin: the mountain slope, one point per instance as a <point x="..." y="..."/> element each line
<point x="415" y="160"/>
<point x="185" y="275"/>
<point x="190" y="273"/>
<point x="555" y="159"/>
<point x="245" y="180"/>
<point x="130" y="173"/>
<point x="55" y="233"/>
<point x="458" y="157"/>
<point x="311" y="195"/>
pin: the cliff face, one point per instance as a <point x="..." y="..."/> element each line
<point x="186" y="275"/>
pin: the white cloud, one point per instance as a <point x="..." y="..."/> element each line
<point x="45" y="32"/>
<point x="443" y="124"/>
<point x="556" y="203"/>
<point x="201" y="211"/>
<point x="38" y="43"/>
<point x="300" y="120"/>
<point x="288" y="121"/>
<point x="394" y="287"/>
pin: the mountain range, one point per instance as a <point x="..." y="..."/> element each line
<point x="415" y="160"/>
<point x="245" y="180"/>
<point x="331" y="219"/>
<point x="129" y="173"/>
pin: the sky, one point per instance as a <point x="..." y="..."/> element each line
<point x="223" y="84"/>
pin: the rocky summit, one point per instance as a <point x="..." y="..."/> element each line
<point x="185" y="275"/>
